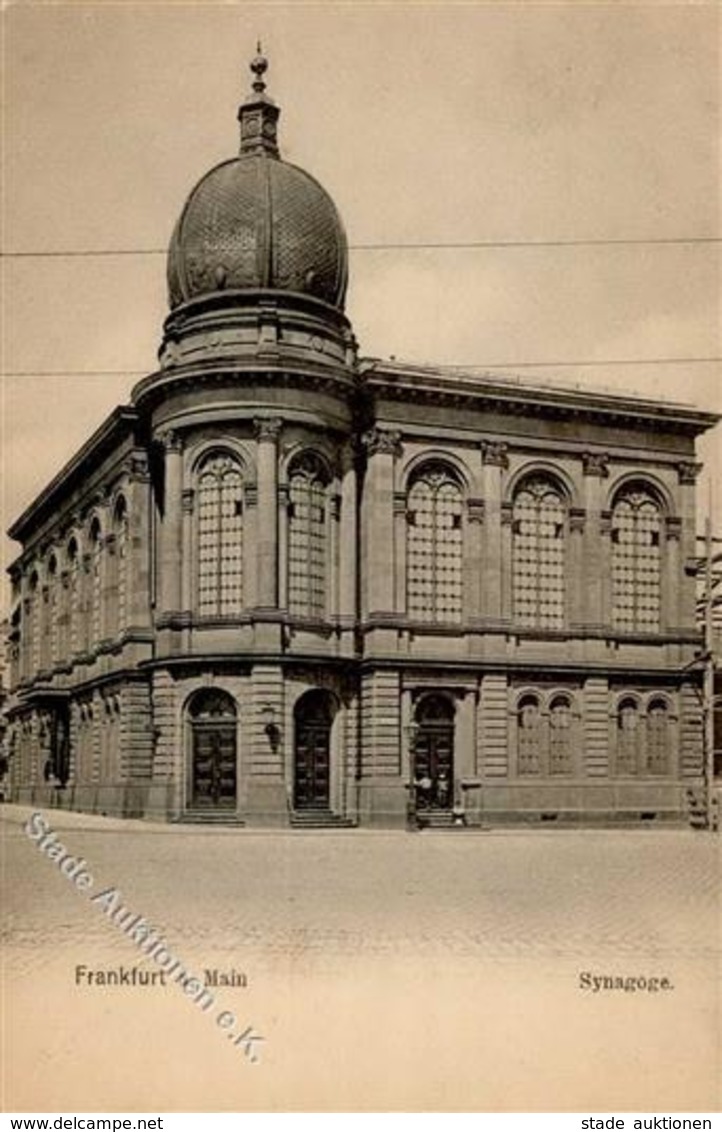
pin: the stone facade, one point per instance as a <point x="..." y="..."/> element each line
<point x="290" y="586"/>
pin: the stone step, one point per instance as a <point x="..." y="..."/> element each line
<point x="320" y="819"/>
<point x="209" y="817"/>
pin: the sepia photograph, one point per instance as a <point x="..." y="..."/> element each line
<point x="361" y="608"/>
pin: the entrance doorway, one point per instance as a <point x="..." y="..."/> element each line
<point x="434" y="754"/>
<point x="212" y="716"/>
<point x="313" y="717"/>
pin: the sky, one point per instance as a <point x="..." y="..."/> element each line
<point x="432" y="124"/>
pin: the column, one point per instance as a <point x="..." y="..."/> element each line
<point x="687" y="471"/>
<point x="138" y="547"/>
<point x="171" y="544"/>
<point x="496" y="547"/>
<point x="267" y="432"/>
<point x="379" y="558"/>
<point x="349" y="549"/>
<point x="672" y="577"/>
<point x="593" y="610"/>
<point x="187" y="565"/>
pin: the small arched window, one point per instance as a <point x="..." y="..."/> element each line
<point x="308" y="482"/>
<point x="629" y="737"/>
<point x="561" y="752"/>
<point x="529" y="735"/>
<point x="220" y="535"/>
<point x="539" y="527"/>
<point x="434" y="545"/>
<point x="658" y="738"/>
<point x="636" y="525"/>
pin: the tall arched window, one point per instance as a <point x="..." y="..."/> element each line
<point x="658" y="738"/>
<point x="33" y="623"/>
<point x="73" y="596"/>
<point x="636" y="523"/>
<point x="52" y="630"/>
<point x="118" y="569"/>
<point x="95" y="594"/>
<point x="308" y="489"/>
<point x="434" y="545"/>
<point x="539" y="538"/>
<point x="529" y="736"/>
<point x="561" y="752"/>
<point x="629" y="737"/>
<point x="220" y="535"/>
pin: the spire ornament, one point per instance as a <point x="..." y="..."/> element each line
<point x="258" y="115"/>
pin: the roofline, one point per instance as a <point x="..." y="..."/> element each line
<point x="509" y="387"/>
<point x="116" y="425"/>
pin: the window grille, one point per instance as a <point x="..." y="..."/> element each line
<point x="529" y="732"/>
<point x="658" y="738"/>
<point x="560" y="736"/>
<point x="539" y="538"/>
<point x="636" y="561"/>
<point x="629" y="734"/>
<point x="220" y="536"/>
<point x="434" y="546"/>
<point x="307" y="525"/>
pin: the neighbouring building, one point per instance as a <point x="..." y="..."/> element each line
<point x="288" y="585"/>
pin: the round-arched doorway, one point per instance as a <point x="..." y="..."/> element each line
<point x="212" y="717"/>
<point x="313" y="716"/>
<point x="434" y="753"/>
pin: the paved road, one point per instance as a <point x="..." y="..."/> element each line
<point x="424" y="970"/>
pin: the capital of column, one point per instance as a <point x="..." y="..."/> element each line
<point x="171" y="440"/>
<point x="267" y="428"/>
<point x="688" y="470"/>
<point x="187" y="497"/>
<point x="475" y="510"/>
<point x="386" y="441"/>
<point x="577" y="518"/>
<point x="673" y="527"/>
<point x="495" y="452"/>
<point x="595" y="464"/>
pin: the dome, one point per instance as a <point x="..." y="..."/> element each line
<point x="257" y="223"/>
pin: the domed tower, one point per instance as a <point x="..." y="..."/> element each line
<point x="249" y="418"/>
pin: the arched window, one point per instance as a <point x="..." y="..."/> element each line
<point x="434" y="545"/>
<point x="636" y="522"/>
<point x="33" y="623"/>
<point x="561" y="751"/>
<point x="529" y="736"/>
<point x="539" y="537"/>
<point x="220" y="535"/>
<point x="73" y="596"/>
<point x="308" y="487"/>
<point x="96" y="586"/>
<point x="629" y="737"/>
<point x="658" y="738"/>
<point x="52" y="631"/>
<point x="120" y="530"/>
<point x="117" y="568"/>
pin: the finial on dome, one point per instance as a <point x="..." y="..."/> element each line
<point x="259" y="114"/>
<point x="259" y="66"/>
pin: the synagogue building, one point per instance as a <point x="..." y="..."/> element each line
<point x="289" y="585"/>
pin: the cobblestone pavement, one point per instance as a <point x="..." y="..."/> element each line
<point x="419" y="956"/>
